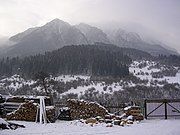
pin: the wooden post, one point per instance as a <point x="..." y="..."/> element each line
<point x="42" y="111"/>
<point x="165" y="107"/>
<point x="37" y="113"/>
<point x="145" y="109"/>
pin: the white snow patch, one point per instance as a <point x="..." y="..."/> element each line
<point x="146" y="127"/>
<point x="98" y="88"/>
<point x="66" y="78"/>
<point x="2" y="121"/>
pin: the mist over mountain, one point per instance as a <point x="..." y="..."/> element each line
<point x="3" y="40"/>
<point x="127" y="39"/>
<point x="93" y="34"/>
<point x="57" y="33"/>
<point x="5" y="43"/>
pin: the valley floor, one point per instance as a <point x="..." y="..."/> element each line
<point x="146" y="127"/>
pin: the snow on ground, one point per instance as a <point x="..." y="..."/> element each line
<point x="2" y="121"/>
<point x="146" y="127"/>
<point x="134" y="68"/>
<point x="175" y="79"/>
<point x="66" y="78"/>
<point x="13" y="78"/>
<point x="15" y="82"/>
<point x="147" y="69"/>
<point x="98" y="87"/>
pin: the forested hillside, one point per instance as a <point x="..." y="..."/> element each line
<point x="84" y="59"/>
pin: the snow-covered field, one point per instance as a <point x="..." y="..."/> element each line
<point x="15" y="82"/>
<point x="98" y="87"/>
<point x="148" y="69"/>
<point x="65" y="78"/>
<point x="146" y="127"/>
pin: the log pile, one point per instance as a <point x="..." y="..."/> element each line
<point x="82" y="109"/>
<point x="92" y="113"/>
<point x="28" y="111"/>
<point x="50" y="111"/>
<point x="134" y="111"/>
<point x="9" y="125"/>
<point x="110" y="120"/>
<point x="16" y="99"/>
<point x="64" y="113"/>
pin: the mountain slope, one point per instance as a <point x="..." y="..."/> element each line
<point x="126" y="39"/>
<point x="82" y="59"/>
<point x="57" y="33"/>
<point x="93" y="34"/>
<point x="51" y="36"/>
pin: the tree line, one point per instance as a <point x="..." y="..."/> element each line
<point x="82" y="59"/>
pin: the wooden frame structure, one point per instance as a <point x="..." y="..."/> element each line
<point x="165" y="105"/>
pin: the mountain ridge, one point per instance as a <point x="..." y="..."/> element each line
<point x="57" y="33"/>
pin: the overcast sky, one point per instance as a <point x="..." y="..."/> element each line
<point x="156" y="18"/>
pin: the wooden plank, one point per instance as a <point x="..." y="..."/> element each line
<point x="163" y="116"/>
<point x="161" y="100"/>
<point x="145" y="107"/>
<point x="165" y="107"/>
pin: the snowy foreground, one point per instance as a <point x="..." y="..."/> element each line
<point x="146" y="127"/>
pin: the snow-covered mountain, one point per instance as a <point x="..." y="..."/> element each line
<point x="20" y="36"/>
<point x="93" y="34"/>
<point x="121" y="36"/>
<point x="127" y="39"/>
<point x="51" y="36"/>
<point x="58" y="33"/>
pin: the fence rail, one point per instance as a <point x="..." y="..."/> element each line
<point x="162" y="108"/>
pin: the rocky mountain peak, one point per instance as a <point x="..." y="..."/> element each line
<point x="92" y="33"/>
<point x="57" y="23"/>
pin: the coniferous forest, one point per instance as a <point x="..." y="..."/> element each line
<point x="83" y="59"/>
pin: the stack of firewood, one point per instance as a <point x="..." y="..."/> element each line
<point x="16" y="99"/>
<point x="134" y="111"/>
<point x="9" y="125"/>
<point x="28" y="111"/>
<point x="82" y="109"/>
<point x="50" y="111"/>
<point x="131" y="114"/>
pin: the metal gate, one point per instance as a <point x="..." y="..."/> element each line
<point x="162" y="108"/>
